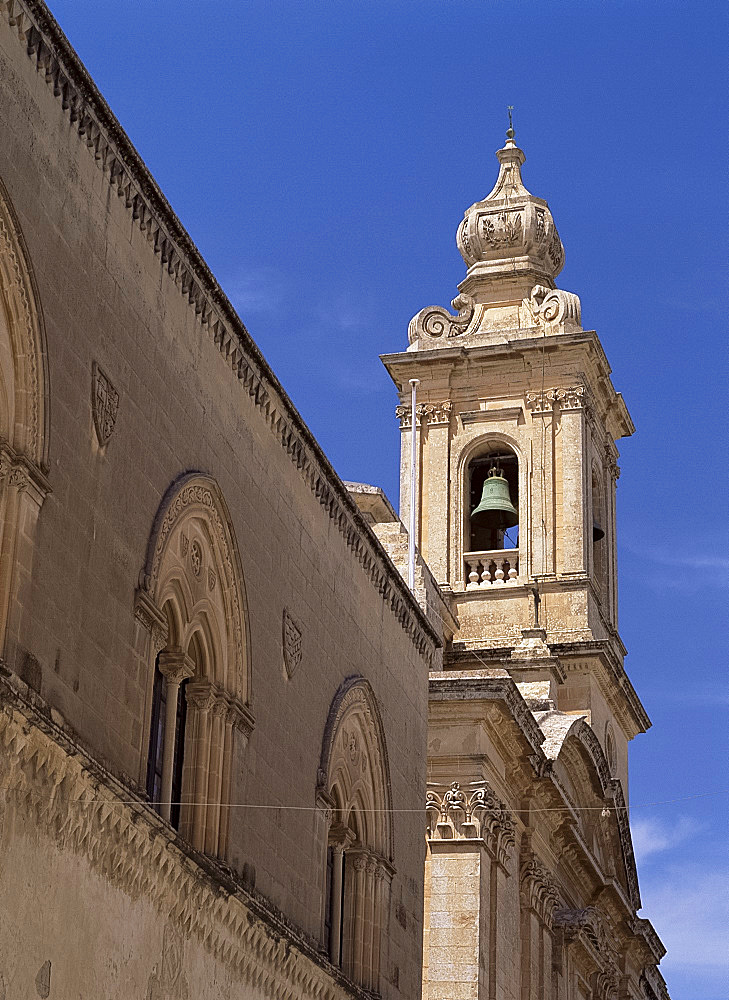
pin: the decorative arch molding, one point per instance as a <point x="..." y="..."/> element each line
<point x="582" y="735"/>
<point x="353" y="785"/>
<point x="23" y="423"/>
<point x="484" y="437"/>
<point x="28" y="436"/>
<point x="191" y="601"/>
<point x="354" y="718"/>
<point x="195" y="500"/>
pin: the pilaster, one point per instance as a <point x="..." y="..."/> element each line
<point x="575" y="470"/>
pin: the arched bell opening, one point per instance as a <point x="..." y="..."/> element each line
<point x="491" y="543"/>
<point x="597" y="536"/>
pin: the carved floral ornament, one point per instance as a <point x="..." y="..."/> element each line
<point x="573" y="397"/>
<point x="477" y="813"/>
<point x="425" y="413"/>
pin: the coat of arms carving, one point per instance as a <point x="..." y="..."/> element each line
<point x="291" y="643"/>
<point x="104" y="404"/>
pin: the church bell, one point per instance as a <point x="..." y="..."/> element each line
<point x="496" y="509"/>
<point x="597" y="532"/>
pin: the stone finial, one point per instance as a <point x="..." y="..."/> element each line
<point x="510" y="234"/>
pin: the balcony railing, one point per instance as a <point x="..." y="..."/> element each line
<point x="494" y="568"/>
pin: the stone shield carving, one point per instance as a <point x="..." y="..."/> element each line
<point x="104" y="404"/>
<point x="292" y="645"/>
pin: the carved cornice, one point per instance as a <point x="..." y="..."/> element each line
<point x="539" y="890"/>
<point x="86" y="811"/>
<point x="130" y="180"/>
<point x="474" y="815"/>
<point x="574" y="397"/>
<point x="425" y="413"/>
<point x="587" y="927"/>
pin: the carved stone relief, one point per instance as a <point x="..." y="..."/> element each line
<point x="425" y="413"/>
<point x="436" y="323"/>
<point x="167" y="980"/>
<point x="104" y="404"/>
<point x="292" y="645"/>
<point x="479" y="814"/>
<point x="43" y="980"/>
<point x="568" y="398"/>
<point x="552" y="310"/>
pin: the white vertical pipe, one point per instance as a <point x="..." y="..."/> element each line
<point x="414" y="383"/>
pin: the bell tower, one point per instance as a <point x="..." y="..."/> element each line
<point x="516" y="424"/>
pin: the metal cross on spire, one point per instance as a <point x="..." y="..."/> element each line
<point x="510" y="132"/>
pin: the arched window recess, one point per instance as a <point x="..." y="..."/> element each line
<point x="491" y="528"/>
<point x="354" y="780"/>
<point x="192" y="603"/>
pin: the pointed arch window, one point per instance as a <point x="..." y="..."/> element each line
<point x="357" y="854"/>
<point x="193" y="604"/>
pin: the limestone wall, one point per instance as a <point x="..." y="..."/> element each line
<point x="193" y="394"/>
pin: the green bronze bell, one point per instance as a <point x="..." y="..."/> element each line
<point x="496" y="509"/>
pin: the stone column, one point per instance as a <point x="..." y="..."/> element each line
<point x="355" y="933"/>
<point x="200" y="700"/>
<point x="215" y="774"/>
<point x="176" y="667"/>
<point x="339" y="839"/>
<point x="383" y="877"/>
<point x="539" y="550"/>
<point x="575" y="471"/>
<point x="404" y="416"/>
<point x="335" y="933"/>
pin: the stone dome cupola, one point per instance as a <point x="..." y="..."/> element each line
<point x="509" y="240"/>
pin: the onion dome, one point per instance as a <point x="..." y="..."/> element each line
<point x="509" y="240"/>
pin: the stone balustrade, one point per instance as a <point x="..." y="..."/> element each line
<point x="493" y="568"/>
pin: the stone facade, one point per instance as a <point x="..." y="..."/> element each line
<point x="171" y="528"/>
<point x="229" y="733"/>
<point x="531" y="887"/>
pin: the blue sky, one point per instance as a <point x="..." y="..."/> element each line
<point x="322" y="154"/>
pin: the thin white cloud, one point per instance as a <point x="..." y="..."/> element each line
<point x="652" y="836"/>
<point x="258" y="291"/>
<point x="690" y="570"/>
<point x="689" y="908"/>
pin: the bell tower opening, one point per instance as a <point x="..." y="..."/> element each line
<point x="491" y="530"/>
